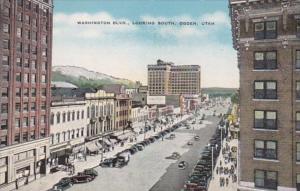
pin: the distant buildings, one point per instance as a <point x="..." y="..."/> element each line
<point x="266" y="37"/>
<point x="165" y="78"/>
<point x="25" y="60"/>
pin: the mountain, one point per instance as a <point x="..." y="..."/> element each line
<point x="83" y="77"/>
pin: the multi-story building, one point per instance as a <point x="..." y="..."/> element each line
<point x="68" y="123"/>
<point x="165" y="78"/>
<point x="266" y="37"/>
<point x="123" y="105"/>
<point x="139" y="115"/>
<point x="25" y="64"/>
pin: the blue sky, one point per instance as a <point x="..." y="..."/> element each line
<point x="125" y="50"/>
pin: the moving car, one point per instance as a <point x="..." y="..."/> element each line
<point x="174" y="156"/>
<point x="182" y="165"/>
<point x="63" y="184"/>
<point x="190" y="143"/>
<point x="196" y="137"/>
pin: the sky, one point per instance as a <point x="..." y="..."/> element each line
<point x="125" y="50"/>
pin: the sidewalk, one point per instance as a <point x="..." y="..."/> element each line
<point x="215" y="182"/>
<point x="46" y="183"/>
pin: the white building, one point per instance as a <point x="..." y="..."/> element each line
<point x="68" y="122"/>
<point x="139" y="115"/>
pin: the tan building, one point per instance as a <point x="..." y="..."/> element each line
<point x="266" y="37"/>
<point x="25" y="64"/>
<point x="165" y="78"/>
<point x="123" y="105"/>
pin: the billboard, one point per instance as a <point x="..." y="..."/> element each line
<point x="156" y="100"/>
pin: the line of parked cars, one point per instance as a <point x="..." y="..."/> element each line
<point x="200" y="176"/>
<point x="122" y="158"/>
<point x="87" y="175"/>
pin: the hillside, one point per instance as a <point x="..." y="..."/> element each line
<point x="83" y="77"/>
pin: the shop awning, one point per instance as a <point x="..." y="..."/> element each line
<point x="92" y="147"/>
<point x="99" y="145"/>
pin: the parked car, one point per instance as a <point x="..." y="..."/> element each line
<point x="63" y="184"/>
<point x="190" y="143"/>
<point x="89" y="171"/>
<point x="82" y="178"/>
<point x="140" y="147"/>
<point x="110" y="162"/>
<point x="196" y="137"/>
<point x="123" y="160"/>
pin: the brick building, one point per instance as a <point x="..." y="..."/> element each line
<point x="266" y="37"/>
<point x="25" y="64"/>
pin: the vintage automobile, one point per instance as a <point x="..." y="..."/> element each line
<point x="109" y="162"/>
<point x="82" y="178"/>
<point x="190" y="143"/>
<point x="63" y="184"/>
<point x="139" y="146"/>
<point x="89" y="171"/>
<point x="174" y="156"/>
<point x="196" y="137"/>
<point x="182" y="165"/>
<point x="123" y="160"/>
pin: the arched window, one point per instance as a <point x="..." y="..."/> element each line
<point x="82" y="114"/>
<point x="69" y="116"/>
<point x="78" y="115"/>
<point x="88" y="112"/>
<point x="52" y="119"/>
<point x="93" y="111"/>
<point x="58" y="117"/>
<point x="73" y="115"/>
<point x="64" y="117"/>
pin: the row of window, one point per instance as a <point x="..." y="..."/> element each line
<point x="66" y="136"/>
<point x="18" y="91"/>
<point x="20" y="32"/>
<point x="26" y="47"/>
<point x="23" y="62"/>
<point x="4" y="107"/>
<point x="268" y="30"/>
<point x="26" y="136"/>
<point x="66" y="116"/>
<point x="27" y="78"/>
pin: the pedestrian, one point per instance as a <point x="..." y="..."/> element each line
<point x="227" y="181"/>
<point x="217" y="170"/>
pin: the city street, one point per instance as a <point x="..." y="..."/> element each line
<point x="149" y="170"/>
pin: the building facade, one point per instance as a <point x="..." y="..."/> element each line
<point x="266" y="37"/>
<point x="123" y="105"/>
<point x="68" y="129"/>
<point x="25" y="64"/>
<point x="165" y="78"/>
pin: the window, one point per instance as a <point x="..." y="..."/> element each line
<point x="265" y="30"/>
<point x="4" y="124"/>
<point x="18" y="77"/>
<point x="298" y="121"/>
<point x="43" y="79"/>
<point x="265" y="60"/>
<point x="17" y="138"/>
<point x="265" y="179"/>
<point x="78" y="115"/>
<point x="19" y="16"/>
<point x="35" y="8"/>
<point x="4" y="92"/>
<point x="6" y="11"/>
<point x="34" y="36"/>
<point x="265" y="89"/>
<point x="19" y="32"/>
<point x="4" y="108"/>
<point x="27" y="4"/>
<point x="19" y="62"/>
<point x="298" y="152"/>
<point x="33" y="92"/>
<point x="19" y="46"/>
<point x="73" y="115"/>
<point x="5" y="28"/>
<point x="3" y="141"/>
<point x="43" y="105"/>
<point x="44" y="65"/>
<point x="298" y="182"/>
<point x="33" y="106"/>
<point x="18" y="107"/>
<point x="44" y="92"/>
<point x="58" y="118"/>
<point x="27" y="19"/>
<point x="5" y="60"/>
<point x="26" y="62"/>
<point x="265" y="119"/>
<point x="33" y="78"/>
<point x="27" y="48"/>
<point x="27" y="34"/>
<point x="43" y="119"/>
<point x="32" y="121"/>
<point x="82" y="114"/>
<point x="6" y="44"/>
<point x="33" y="64"/>
<point x="18" y="123"/>
<point x="64" y="117"/>
<point x="20" y="2"/>
<point x="25" y="122"/>
<point x="69" y="116"/>
<point x="265" y="149"/>
<point x="44" y="39"/>
<point x="34" y="23"/>
<point x="52" y="119"/>
<point x="26" y="92"/>
<point x="25" y="107"/>
<point x="18" y="92"/>
<point x="3" y="174"/>
<point x="44" y="52"/>
<point x="32" y="135"/>
<point x="26" y="78"/>
<point x="88" y="112"/>
<point x="25" y="137"/>
<point x="5" y="76"/>
<point x="34" y="50"/>
<point x="297" y="59"/>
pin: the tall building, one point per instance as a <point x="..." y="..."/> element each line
<point x="25" y="64"/>
<point x="165" y="78"/>
<point x="266" y="37"/>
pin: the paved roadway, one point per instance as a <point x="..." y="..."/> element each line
<point x="174" y="178"/>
